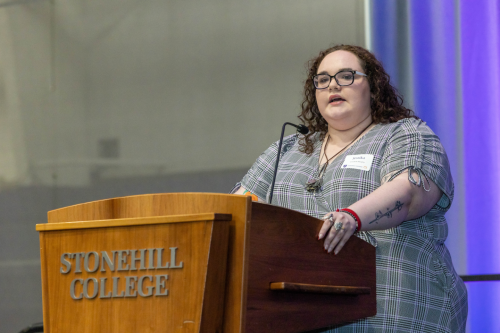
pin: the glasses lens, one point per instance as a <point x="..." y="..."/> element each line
<point x="345" y="78"/>
<point x="322" y="81"/>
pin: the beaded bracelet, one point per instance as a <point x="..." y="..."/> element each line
<point x="354" y="216"/>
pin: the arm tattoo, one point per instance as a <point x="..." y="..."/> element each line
<point x="379" y="214"/>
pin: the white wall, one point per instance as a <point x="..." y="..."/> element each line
<point x="183" y="86"/>
<point x="13" y="161"/>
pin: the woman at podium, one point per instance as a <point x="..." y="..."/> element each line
<point x="371" y="169"/>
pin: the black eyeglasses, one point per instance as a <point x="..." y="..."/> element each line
<point x="343" y="78"/>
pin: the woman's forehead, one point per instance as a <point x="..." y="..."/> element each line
<point x="338" y="60"/>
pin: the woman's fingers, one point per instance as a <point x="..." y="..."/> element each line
<point x="328" y="218"/>
<point x="336" y="230"/>
<point x="333" y="238"/>
<point x="336" y="246"/>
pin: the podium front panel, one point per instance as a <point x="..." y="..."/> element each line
<point x="163" y="277"/>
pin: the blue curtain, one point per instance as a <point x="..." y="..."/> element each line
<point x="445" y="55"/>
<point x="480" y="69"/>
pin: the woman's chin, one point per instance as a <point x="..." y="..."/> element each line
<point x="344" y="118"/>
<point x="337" y="118"/>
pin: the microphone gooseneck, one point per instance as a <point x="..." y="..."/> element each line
<point x="302" y="129"/>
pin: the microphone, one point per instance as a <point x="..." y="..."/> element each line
<point x="302" y="129"/>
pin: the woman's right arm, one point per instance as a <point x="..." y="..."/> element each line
<point x="241" y="190"/>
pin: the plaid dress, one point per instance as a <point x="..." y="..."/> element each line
<point x="418" y="289"/>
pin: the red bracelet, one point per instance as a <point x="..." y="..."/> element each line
<point x="354" y="215"/>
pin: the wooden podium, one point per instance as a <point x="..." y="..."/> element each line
<point x="197" y="262"/>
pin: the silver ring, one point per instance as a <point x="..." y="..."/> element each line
<point x="338" y="225"/>
<point x="330" y="217"/>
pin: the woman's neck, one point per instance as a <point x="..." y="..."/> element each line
<point x="342" y="137"/>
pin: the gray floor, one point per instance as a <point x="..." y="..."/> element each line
<point x="22" y="208"/>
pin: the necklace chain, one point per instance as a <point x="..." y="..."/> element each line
<point x="314" y="184"/>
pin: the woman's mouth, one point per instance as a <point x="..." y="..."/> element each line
<point x="335" y="100"/>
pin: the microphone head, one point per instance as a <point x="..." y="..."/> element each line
<point x="302" y="129"/>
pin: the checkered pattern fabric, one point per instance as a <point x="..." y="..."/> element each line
<point x="418" y="289"/>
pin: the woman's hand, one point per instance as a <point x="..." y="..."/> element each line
<point x="336" y="230"/>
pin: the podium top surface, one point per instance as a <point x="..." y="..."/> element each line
<point x="133" y="221"/>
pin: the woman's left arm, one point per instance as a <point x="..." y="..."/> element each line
<point x="387" y="207"/>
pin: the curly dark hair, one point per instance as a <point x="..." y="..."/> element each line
<point x="386" y="102"/>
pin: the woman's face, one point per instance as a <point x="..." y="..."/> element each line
<point x="343" y="107"/>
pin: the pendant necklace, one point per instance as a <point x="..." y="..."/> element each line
<point x="314" y="183"/>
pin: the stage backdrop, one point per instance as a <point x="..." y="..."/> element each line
<point x="444" y="57"/>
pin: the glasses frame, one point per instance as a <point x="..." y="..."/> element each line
<point x="335" y="77"/>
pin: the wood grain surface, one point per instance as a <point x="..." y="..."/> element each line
<point x="175" y="204"/>
<point x="267" y="244"/>
<point x="133" y="221"/>
<point x="284" y="248"/>
<point x="188" y="287"/>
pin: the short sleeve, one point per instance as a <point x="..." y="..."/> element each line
<point x="260" y="176"/>
<point x="414" y="146"/>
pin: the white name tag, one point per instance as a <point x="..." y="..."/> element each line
<point x="360" y="162"/>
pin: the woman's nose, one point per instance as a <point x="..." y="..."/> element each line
<point x="334" y="85"/>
